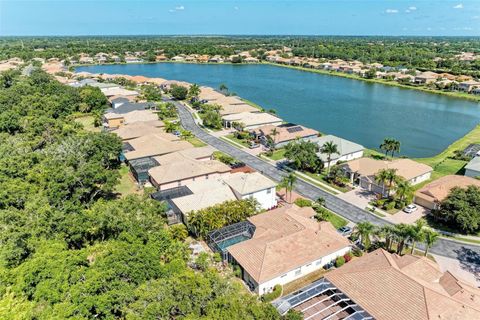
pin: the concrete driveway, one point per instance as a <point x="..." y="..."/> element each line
<point x="409" y="218"/>
<point x="464" y="270"/>
<point x="358" y="197"/>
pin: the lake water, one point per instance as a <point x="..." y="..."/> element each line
<point x="356" y="110"/>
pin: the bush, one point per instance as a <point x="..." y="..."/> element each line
<point x="293" y="315"/>
<point x="389" y="205"/>
<point x="339" y="262"/>
<point x="347" y="257"/>
<point x="303" y="202"/>
<point x="202" y="261"/>
<point x="217" y="257"/>
<point x="237" y="271"/>
<point x="276" y="293"/>
<point x="179" y="92"/>
<point x="357" y="252"/>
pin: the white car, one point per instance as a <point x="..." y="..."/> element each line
<point x="410" y="208"/>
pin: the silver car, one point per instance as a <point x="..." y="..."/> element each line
<point x="410" y="208"/>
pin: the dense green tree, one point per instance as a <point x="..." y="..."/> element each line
<point x="151" y="92"/>
<point x="93" y="99"/>
<point x="303" y="154"/>
<point x="179" y="92"/>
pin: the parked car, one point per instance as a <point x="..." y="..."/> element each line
<point x="410" y="208"/>
<point x="253" y="145"/>
<point x="345" y="231"/>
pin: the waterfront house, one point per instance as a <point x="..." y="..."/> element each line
<point x="167" y="85"/>
<point x="250" y="120"/>
<point x="362" y="172"/>
<point x="253" y="186"/>
<point x="178" y="168"/>
<point x="472" y="169"/>
<point x="116" y="91"/>
<point x="250" y="60"/>
<point x="468" y="86"/>
<point x="347" y="150"/>
<point x="426" y="77"/>
<point x="435" y="192"/>
<point x="285" y="134"/>
<point x="216" y="59"/>
<point x="178" y="58"/>
<point x="287" y="244"/>
<point x="385" y="286"/>
<point x="152" y="145"/>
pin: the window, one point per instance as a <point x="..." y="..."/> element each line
<point x="206" y="177"/>
<point x="269" y="191"/>
<point x="284" y="275"/>
<point x="308" y="265"/>
<point x="318" y="262"/>
<point x="298" y="271"/>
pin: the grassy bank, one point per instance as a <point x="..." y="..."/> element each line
<point x="453" y="94"/>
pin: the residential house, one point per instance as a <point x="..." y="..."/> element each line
<point x="250" y="120"/>
<point x="152" y="145"/>
<point x="426" y="77"/>
<point x="178" y="59"/>
<point x="116" y="91"/>
<point x="468" y="86"/>
<point x="385" y="286"/>
<point x="362" y="172"/>
<point x="287" y="244"/>
<point x="114" y="119"/>
<point x="179" y="168"/>
<point x="472" y="169"/>
<point x="347" y="150"/>
<point x="216" y="59"/>
<point x="285" y="133"/>
<point x="140" y="129"/>
<point x="250" y="60"/>
<point x="167" y="85"/>
<point x="253" y="185"/>
<point x="435" y="192"/>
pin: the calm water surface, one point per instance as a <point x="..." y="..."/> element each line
<point x="356" y="110"/>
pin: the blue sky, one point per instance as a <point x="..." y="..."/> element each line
<point x="320" y="17"/>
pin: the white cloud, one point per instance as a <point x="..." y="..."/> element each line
<point x="391" y="11"/>
<point x="180" y="8"/>
<point x="171" y="10"/>
<point x="476" y="17"/>
<point x="236" y="8"/>
<point x="458" y="6"/>
<point x="412" y="8"/>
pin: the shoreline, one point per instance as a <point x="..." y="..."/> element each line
<point x="451" y="94"/>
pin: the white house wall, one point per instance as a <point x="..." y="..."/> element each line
<point x="266" y="198"/>
<point x="298" y="272"/>
<point x="471" y="173"/>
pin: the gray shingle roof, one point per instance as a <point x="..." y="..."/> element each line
<point x="344" y="146"/>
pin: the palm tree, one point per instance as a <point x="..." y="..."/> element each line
<point x="417" y="233"/>
<point x="386" y="176"/>
<point x="171" y="126"/>
<point x="288" y="183"/>
<point x="403" y="190"/>
<point x="394" y="146"/>
<point x="364" y="230"/>
<point x="386" y="232"/>
<point x="186" y="134"/>
<point x="329" y="148"/>
<point x="274" y="133"/>
<point x="194" y="91"/>
<point x="430" y="238"/>
<point x="402" y="233"/>
<point x="386" y="145"/>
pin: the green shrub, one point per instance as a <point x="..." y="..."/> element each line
<point x="217" y="257"/>
<point x="357" y="252"/>
<point x="293" y="315"/>
<point x="202" y="262"/>
<point x="237" y="271"/>
<point x="339" y="262"/>
<point x="303" y="202"/>
<point x="389" y="205"/>
<point x="276" y="293"/>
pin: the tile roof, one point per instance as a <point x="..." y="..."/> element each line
<point x="178" y="166"/>
<point x="285" y="239"/>
<point x="439" y="189"/>
<point x="252" y="118"/>
<point x="344" y="146"/>
<point x="390" y="287"/>
<point x="246" y="183"/>
<point x="154" y="145"/>
<point x="140" y="129"/>
<point x="286" y="132"/>
<point x="406" y="168"/>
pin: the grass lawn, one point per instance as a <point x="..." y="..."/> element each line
<point x="126" y="185"/>
<point x="87" y="122"/>
<point x="197" y="143"/>
<point x="277" y="154"/>
<point x="337" y="221"/>
<point x="239" y="141"/>
<point x="321" y="178"/>
<point x="303" y="281"/>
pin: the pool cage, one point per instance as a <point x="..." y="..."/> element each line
<point x="173" y="213"/>
<point x="219" y="240"/>
<point x="140" y="167"/>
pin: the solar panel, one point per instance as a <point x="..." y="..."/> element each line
<point x="295" y="129"/>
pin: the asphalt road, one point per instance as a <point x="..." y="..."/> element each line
<point x="466" y="253"/>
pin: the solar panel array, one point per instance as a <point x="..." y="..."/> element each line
<point x="294" y="129"/>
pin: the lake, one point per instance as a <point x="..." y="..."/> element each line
<point x="363" y="112"/>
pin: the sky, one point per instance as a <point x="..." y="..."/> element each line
<point x="240" y="17"/>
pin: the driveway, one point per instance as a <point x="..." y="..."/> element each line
<point x="341" y="207"/>
<point x="409" y="218"/>
<point x="464" y="270"/>
<point x="358" y="197"/>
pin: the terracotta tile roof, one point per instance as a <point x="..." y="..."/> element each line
<point x="406" y="168"/>
<point x="439" y="189"/>
<point x="140" y="129"/>
<point x="285" y="239"/>
<point x="154" y="145"/>
<point x="286" y="133"/>
<point x="252" y="118"/>
<point x="390" y="287"/>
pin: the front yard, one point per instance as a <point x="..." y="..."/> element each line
<point x="278" y="154"/>
<point x="243" y="142"/>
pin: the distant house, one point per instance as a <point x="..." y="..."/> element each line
<point x="251" y="60"/>
<point x="362" y="172"/>
<point x="385" y="286"/>
<point x="178" y="59"/>
<point x="426" y="77"/>
<point x="116" y="91"/>
<point x="287" y="244"/>
<point x="216" y="59"/>
<point x="472" y="169"/>
<point x="140" y="129"/>
<point x="116" y="120"/>
<point x="347" y="150"/>
<point x="285" y="134"/>
<point x="433" y="193"/>
<point x="167" y="85"/>
<point x="253" y="185"/>
<point x="152" y="145"/>
<point x="179" y="168"/>
<point x="468" y="86"/>
<point x="250" y="120"/>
